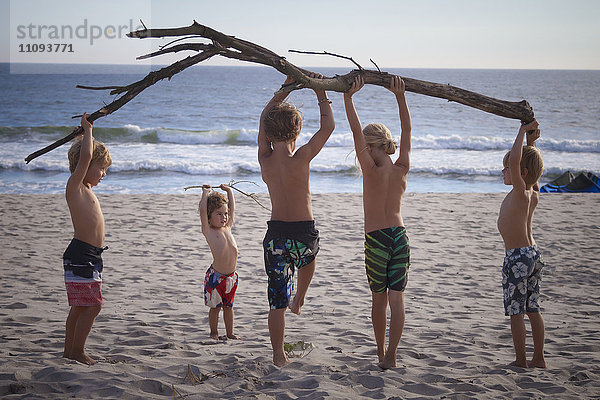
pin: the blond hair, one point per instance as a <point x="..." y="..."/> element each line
<point x="283" y="122"/>
<point x="100" y="154"/>
<point x="532" y="160"/>
<point x="378" y="135"/>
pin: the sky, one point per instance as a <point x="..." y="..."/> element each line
<point x="516" y="34"/>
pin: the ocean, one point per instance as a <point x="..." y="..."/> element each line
<point x="201" y="127"/>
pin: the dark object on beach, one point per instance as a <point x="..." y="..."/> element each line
<point x="584" y="182"/>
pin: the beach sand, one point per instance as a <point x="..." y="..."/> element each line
<point x="154" y="325"/>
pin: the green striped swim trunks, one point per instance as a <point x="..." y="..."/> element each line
<point x="387" y="257"/>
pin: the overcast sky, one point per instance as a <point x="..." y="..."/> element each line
<point x="538" y="34"/>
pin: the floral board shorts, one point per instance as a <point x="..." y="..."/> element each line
<point x="521" y="276"/>
<point x="287" y="246"/>
<point x="219" y="289"/>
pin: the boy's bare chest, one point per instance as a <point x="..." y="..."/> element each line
<point x="222" y="239"/>
<point x="512" y="211"/>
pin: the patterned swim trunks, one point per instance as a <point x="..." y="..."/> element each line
<point x="521" y="276"/>
<point x="82" y="264"/>
<point x="219" y="289"/>
<point x="287" y="246"/>
<point x="387" y="258"/>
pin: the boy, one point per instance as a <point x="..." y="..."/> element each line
<point x="523" y="263"/>
<point x="82" y="261"/>
<point x="387" y="248"/>
<point x="221" y="280"/>
<point x="291" y="241"/>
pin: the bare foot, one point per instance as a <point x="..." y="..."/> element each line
<point x="280" y="361"/>
<point x="83" y="358"/>
<point x="537" y="363"/>
<point x="296" y="305"/>
<point x="387" y="363"/>
<point x="380" y="355"/>
<point x="233" y="336"/>
<point x="518" y="364"/>
<point x="214" y="335"/>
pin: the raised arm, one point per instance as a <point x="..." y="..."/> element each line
<point x="85" y="156"/>
<point x="264" y="144"/>
<point x="360" y="144"/>
<point x="327" y="125"/>
<point x="514" y="160"/>
<point x="230" y="202"/>
<point x="202" y="207"/>
<point x="397" y="87"/>
<point x="531" y="137"/>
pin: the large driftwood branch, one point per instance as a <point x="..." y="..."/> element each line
<point x="234" y="48"/>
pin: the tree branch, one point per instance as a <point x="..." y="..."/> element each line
<point x="131" y="92"/>
<point x="234" y="48"/>
<point x="326" y="53"/>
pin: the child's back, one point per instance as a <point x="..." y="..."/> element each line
<point x="287" y="178"/>
<point x="387" y="248"/>
<point x="383" y="187"/>
<point x="292" y="241"/>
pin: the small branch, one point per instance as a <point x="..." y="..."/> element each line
<point x="178" y="40"/>
<point x="376" y="66"/>
<point x="193" y="378"/>
<point x="176" y="393"/>
<point x="232" y="184"/>
<point x="326" y="53"/>
<point x="99" y="87"/>
<point x="177" y="48"/>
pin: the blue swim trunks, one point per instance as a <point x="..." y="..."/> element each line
<point x="521" y="276"/>
<point x="287" y="246"/>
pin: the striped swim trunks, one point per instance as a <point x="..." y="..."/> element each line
<point x="387" y="258"/>
<point x="82" y="264"/>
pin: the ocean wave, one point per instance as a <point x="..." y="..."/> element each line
<point x="135" y="134"/>
<point x="246" y="168"/>
<point x="457" y="142"/>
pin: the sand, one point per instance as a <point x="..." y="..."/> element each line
<point x="154" y="325"/>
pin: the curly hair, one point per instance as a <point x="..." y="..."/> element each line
<point x="100" y="154"/>
<point x="214" y="201"/>
<point x="283" y="122"/>
<point x="378" y="135"/>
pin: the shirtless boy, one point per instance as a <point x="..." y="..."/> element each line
<point x="82" y="261"/>
<point x="221" y="279"/>
<point x="522" y="269"/>
<point x="291" y="241"/>
<point x="387" y="248"/>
